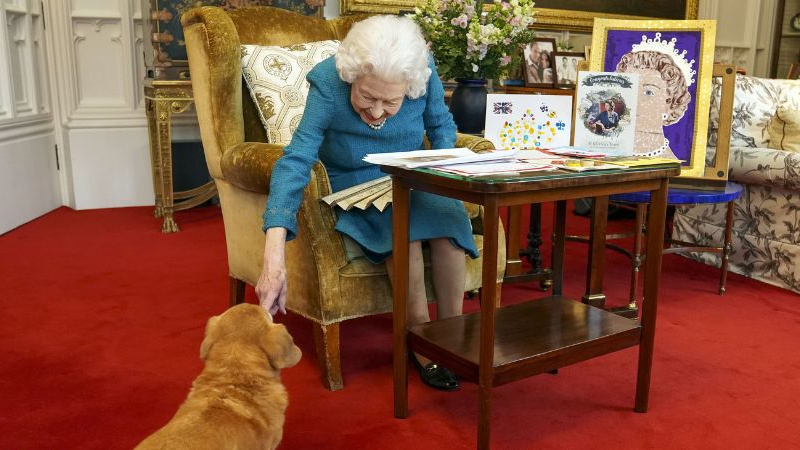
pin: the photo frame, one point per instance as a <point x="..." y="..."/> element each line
<point x="537" y="62"/>
<point x="567" y="66"/>
<point x="794" y="71"/>
<point x="347" y="7"/>
<point x="578" y="15"/>
<point x="687" y="46"/>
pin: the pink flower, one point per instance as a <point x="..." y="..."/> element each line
<point x="505" y="60"/>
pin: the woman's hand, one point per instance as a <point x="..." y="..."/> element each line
<point x="271" y="287"/>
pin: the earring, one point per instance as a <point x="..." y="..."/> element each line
<point x="664" y="116"/>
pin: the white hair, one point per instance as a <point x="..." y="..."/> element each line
<point x="389" y="47"/>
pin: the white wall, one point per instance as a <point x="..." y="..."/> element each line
<point x="744" y="32"/>
<point x="29" y="184"/>
<point x="97" y="55"/>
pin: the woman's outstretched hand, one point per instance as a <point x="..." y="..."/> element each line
<point x="271" y="287"/>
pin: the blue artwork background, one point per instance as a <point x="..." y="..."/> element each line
<point x="619" y="42"/>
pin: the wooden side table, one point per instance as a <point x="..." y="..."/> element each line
<point x="505" y="344"/>
<point x="162" y="99"/>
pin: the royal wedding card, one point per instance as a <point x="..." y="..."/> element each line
<point x="519" y="121"/>
<point x="605" y="112"/>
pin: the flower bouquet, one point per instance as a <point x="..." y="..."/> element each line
<point x="470" y="41"/>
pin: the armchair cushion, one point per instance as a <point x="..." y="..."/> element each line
<point x="276" y="78"/>
<point x="754" y="104"/>
<point x="784" y="130"/>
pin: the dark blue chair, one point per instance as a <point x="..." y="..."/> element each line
<point x="678" y="197"/>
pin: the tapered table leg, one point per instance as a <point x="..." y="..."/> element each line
<point x="652" y="280"/>
<point x="400" y="200"/>
<point x="488" y="304"/>
<point x="597" y="247"/>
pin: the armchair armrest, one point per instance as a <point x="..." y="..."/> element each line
<point x="248" y="165"/>
<point x="473" y="142"/>
<point x="765" y="166"/>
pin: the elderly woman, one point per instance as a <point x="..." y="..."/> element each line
<point x="663" y="99"/>
<point x="379" y="93"/>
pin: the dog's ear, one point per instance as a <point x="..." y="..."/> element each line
<point x="279" y="347"/>
<point x="209" y="338"/>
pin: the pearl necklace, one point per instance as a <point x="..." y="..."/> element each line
<point x="657" y="151"/>
<point x="377" y="125"/>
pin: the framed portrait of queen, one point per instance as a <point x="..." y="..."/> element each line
<point x="674" y="60"/>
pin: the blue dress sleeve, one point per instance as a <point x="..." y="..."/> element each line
<point x="438" y="121"/>
<point x="292" y="171"/>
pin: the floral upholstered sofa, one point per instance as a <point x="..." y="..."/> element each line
<point x="766" y="228"/>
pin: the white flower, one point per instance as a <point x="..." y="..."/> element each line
<point x="474" y="67"/>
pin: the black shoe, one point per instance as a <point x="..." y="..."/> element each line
<point x="434" y="375"/>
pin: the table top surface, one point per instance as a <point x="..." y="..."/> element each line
<point x="536" y="180"/>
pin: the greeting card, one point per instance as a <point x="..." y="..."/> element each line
<point x="605" y="111"/>
<point x="519" y="121"/>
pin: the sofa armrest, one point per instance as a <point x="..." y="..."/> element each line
<point x="765" y="166"/>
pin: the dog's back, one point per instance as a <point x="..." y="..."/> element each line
<point x="238" y="401"/>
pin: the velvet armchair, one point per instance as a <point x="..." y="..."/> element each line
<point x="324" y="286"/>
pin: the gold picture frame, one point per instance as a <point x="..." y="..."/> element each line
<point x="546" y="18"/>
<point x="377" y="6"/>
<point x="582" y="20"/>
<point x="685" y="131"/>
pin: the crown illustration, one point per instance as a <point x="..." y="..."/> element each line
<point x="668" y="48"/>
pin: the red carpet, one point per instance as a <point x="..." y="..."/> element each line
<point x="102" y="318"/>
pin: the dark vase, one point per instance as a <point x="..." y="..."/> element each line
<point x="468" y="105"/>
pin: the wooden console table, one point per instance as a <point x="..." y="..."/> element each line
<point x="162" y="99"/>
<point x="499" y="345"/>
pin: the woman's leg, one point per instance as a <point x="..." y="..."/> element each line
<point x="449" y="275"/>
<point x="417" y="304"/>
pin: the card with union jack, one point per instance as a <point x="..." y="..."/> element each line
<point x="521" y="121"/>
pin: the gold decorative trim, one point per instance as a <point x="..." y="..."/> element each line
<point x="376" y="6"/>
<point x="546" y="18"/>
<point x="566" y="19"/>
<point x="707" y="30"/>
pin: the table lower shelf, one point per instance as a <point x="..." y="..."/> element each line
<point x="530" y="338"/>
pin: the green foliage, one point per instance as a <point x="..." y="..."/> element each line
<point x="467" y="44"/>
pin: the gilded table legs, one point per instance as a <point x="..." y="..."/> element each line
<point x="160" y="103"/>
<point x="155" y="157"/>
<point x="164" y="150"/>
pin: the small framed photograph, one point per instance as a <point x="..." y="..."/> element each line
<point x="794" y="71"/>
<point x="538" y="62"/>
<point x="566" y="68"/>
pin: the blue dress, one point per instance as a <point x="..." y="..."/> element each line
<point x="332" y="132"/>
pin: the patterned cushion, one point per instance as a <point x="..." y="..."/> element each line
<point x="276" y="77"/>
<point x="754" y="104"/>
<point x="784" y="130"/>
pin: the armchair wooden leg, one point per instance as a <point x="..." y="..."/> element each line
<point x="236" y="291"/>
<point x="326" y="340"/>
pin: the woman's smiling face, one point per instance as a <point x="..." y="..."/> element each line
<point x="375" y="99"/>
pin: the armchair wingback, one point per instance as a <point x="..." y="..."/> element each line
<point x="324" y="285"/>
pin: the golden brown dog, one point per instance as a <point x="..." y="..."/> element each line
<point x="238" y="401"/>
